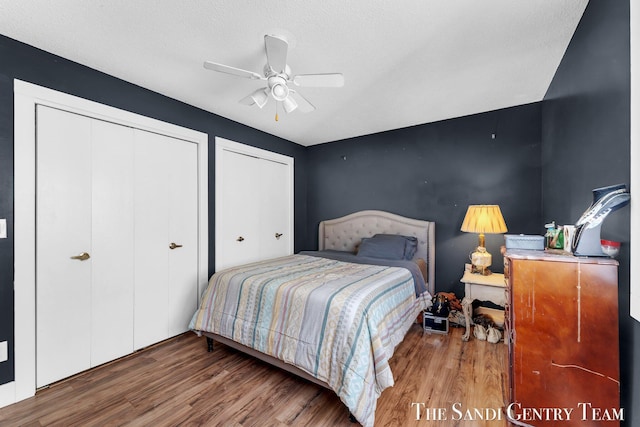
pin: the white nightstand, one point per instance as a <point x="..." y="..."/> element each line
<point x="483" y="288"/>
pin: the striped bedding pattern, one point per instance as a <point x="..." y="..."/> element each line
<point x="338" y="321"/>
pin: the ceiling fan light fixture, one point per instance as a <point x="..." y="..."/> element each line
<point x="289" y="104"/>
<point x="260" y="97"/>
<point x="280" y="91"/>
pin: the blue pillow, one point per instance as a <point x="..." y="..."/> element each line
<point x="410" y="243"/>
<point x="381" y="248"/>
<point x="389" y="246"/>
<point x="410" y="247"/>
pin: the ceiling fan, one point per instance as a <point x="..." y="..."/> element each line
<point x="278" y="76"/>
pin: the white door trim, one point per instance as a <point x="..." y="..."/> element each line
<point x="226" y="144"/>
<point x="26" y="97"/>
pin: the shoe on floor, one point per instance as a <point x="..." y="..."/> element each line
<point x="480" y="332"/>
<point x="493" y="335"/>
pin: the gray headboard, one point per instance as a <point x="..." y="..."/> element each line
<point x="345" y="233"/>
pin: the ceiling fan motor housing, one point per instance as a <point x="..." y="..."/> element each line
<point x="279" y="88"/>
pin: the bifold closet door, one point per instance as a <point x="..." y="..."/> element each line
<point x="84" y="224"/>
<point x="273" y="198"/>
<point x="166" y="237"/>
<point x="239" y="213"/>
<point x="182" y="192"/>
<point x="112" y="244"/>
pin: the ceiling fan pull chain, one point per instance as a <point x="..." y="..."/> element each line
<point x="277" y="110"/>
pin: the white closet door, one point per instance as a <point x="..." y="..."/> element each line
<point x="63" y="229"/>
<point x="183" y="231"/>
<point x="166" y="217"/>
<point x="152" y="240"/>
<point x="239" y="227"/>
<point x="112" y="255"/>
<point x="274" y="197"/>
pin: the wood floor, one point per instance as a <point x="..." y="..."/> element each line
<point x="178" y="383"/>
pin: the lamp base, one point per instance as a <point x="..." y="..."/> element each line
<point x="479" y="270"/>
<point x="480" y="261"/>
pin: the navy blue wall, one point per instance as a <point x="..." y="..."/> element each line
<point x="23" y="62"/>
<point x="434" y="172"/>
<point x="586" y="145"/>
<point x="6" y="211"/>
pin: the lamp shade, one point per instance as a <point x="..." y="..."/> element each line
<point x="484" y="219"/>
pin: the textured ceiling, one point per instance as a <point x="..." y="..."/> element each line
<point x="404" y="63"/>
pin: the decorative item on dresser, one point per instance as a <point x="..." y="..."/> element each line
<point x="561" y="324"/>
<point x="332" y="316"/>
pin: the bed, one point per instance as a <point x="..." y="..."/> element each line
<point x="332" y="316"/>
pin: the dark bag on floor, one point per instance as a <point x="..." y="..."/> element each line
<point x="440" y="305"/>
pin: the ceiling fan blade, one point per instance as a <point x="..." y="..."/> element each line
<point x="258" y="97"/>
<point x="276" y="49"/>
<point x="319" y="80"/>
<point x="304" y="105"/>
<point x="231" y="70"/>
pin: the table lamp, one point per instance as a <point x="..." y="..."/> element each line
<point x="483" y="219"/>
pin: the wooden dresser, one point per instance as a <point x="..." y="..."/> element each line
<point x="561" y="326"/>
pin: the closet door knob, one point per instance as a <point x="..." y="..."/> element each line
<point x="173" y="246"/>
<point x="278" y="235"/>
<point x="240" y="239"/>
<point x="82" y="257"/>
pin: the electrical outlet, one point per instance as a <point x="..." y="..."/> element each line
<point x="4" y="351"/>
<point x="3" y="228"/>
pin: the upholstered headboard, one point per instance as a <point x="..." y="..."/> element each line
<point x="345" y="233"/>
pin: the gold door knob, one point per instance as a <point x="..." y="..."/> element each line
<point x="173" y="246"/>
<point x="82" y="257"/>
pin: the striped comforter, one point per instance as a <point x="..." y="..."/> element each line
<point x="338" y="321"/>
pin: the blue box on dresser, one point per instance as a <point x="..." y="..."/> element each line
<point x="524" y="241"/>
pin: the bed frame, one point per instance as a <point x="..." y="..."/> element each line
<point x="345" y="234"/>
